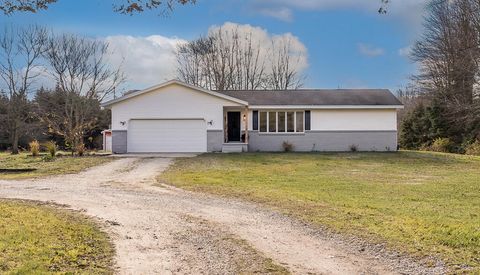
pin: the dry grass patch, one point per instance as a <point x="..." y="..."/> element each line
<point x="43" y="239"/>
<point x="45" y="166"/>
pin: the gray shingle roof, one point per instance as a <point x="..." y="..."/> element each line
<point x="317" y="97"/>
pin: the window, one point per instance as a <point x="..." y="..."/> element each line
<point x="272" y="122"/>
<point x="307" y="120"/>
<point x="263" y="121"/>
<point x="299" y="118"/>
<point x="255" y="120"/>
<point x="281" y="122"/>
<point x="290" y="122"/>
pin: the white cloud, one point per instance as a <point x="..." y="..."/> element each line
<point x="144" y="60"/>
<point x="43" y="78"/>
<point x="369" y="50"/>
<point x="280" y="13"/>
<point x="405" y="51"/>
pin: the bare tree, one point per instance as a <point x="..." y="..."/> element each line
<point x="449" y="52"/>
<point x="83" y="79"/>
<point x="66" y="114"/>
<point x="20" y="52"/>
<point x="227" y="59"/>
<point x="139" y="6"/>
<point x="448" y="55"/>
<point x="11" y="6"/>
<point x="283" y="75"/>
<point x="120" y="6"/>
<point x="78" y="64"/>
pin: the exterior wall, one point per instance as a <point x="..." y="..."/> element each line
<point x="354" y="120"/>
<point x="312" y="141"/>
<point x="335" y="130"/>
<point x="172" y="101"/>
<point x="347" y="120"/>
<point x="214" y="140"/>
<point x="119" y="141"/>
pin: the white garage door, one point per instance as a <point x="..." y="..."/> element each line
<point x="169" y="135"/>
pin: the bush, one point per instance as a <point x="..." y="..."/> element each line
<point x="473" y="148"/>
<point x="34" y="148"/>
<point x="353" y="148"/>
<point x="287" y="146"/>
<point x="51" y="148"/>
<point x="441" y="145"/>
<point x="80" y="149"/>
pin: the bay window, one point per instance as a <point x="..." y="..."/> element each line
<point x="281" y="121"/>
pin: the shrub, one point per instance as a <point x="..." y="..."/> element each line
<point x="34" y="148"/>
<point x="80" y="149"/>
<point x="287" y="146"/>
<point x="51" y="148"/>
<point x="353" y="148"/>
<point x="473" y="148"/>
<point x="441" y="145"/>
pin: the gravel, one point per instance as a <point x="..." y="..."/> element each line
<point x="171" y="231"/>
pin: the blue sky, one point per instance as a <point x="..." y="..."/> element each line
<point x="349" y="45"/>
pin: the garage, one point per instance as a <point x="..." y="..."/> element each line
<point x="166" y="135"/>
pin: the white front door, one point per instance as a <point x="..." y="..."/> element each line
<point x="166" y="135"/>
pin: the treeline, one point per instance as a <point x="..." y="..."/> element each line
<point x="76" y="66"/>
<point x="69" y="113"/>
<point x="443" y="101"/>
<point x="33" y="128"/>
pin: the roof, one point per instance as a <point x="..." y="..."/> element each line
<point x="323" y="98"/>
<point x="135" y="93"/>
<point x="304" y="97"/>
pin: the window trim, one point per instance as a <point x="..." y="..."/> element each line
<point x="295" y="132"/>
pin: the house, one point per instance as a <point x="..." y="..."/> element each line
<point x="178" y="117"/>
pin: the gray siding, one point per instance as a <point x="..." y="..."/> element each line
<point x="119" y="141"/>
<point x="325" y="141"/>
<point x="214" y="140"/>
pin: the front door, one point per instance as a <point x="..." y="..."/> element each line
<point x="233" y="120"/>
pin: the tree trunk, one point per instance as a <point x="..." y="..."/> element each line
<point x="15" y="137"/>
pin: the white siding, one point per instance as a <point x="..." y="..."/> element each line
<point x="172" y="101"/>
<point x="354" y="120"/>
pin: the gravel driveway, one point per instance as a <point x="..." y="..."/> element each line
<point x="165" y="230"/>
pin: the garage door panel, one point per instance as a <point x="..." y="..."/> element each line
<point x="145" y="136"/>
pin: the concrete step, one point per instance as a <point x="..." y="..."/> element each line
<point x="233" y="148"/>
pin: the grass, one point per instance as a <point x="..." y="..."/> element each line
<point x="417" y="202"/>
<point x="60" y="165"/>
<point x="42" y="239"/>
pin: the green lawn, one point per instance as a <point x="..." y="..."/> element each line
<point x="60" y="165"/>
<point x="419" y="202"/>
<point x="40" y="239"/>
